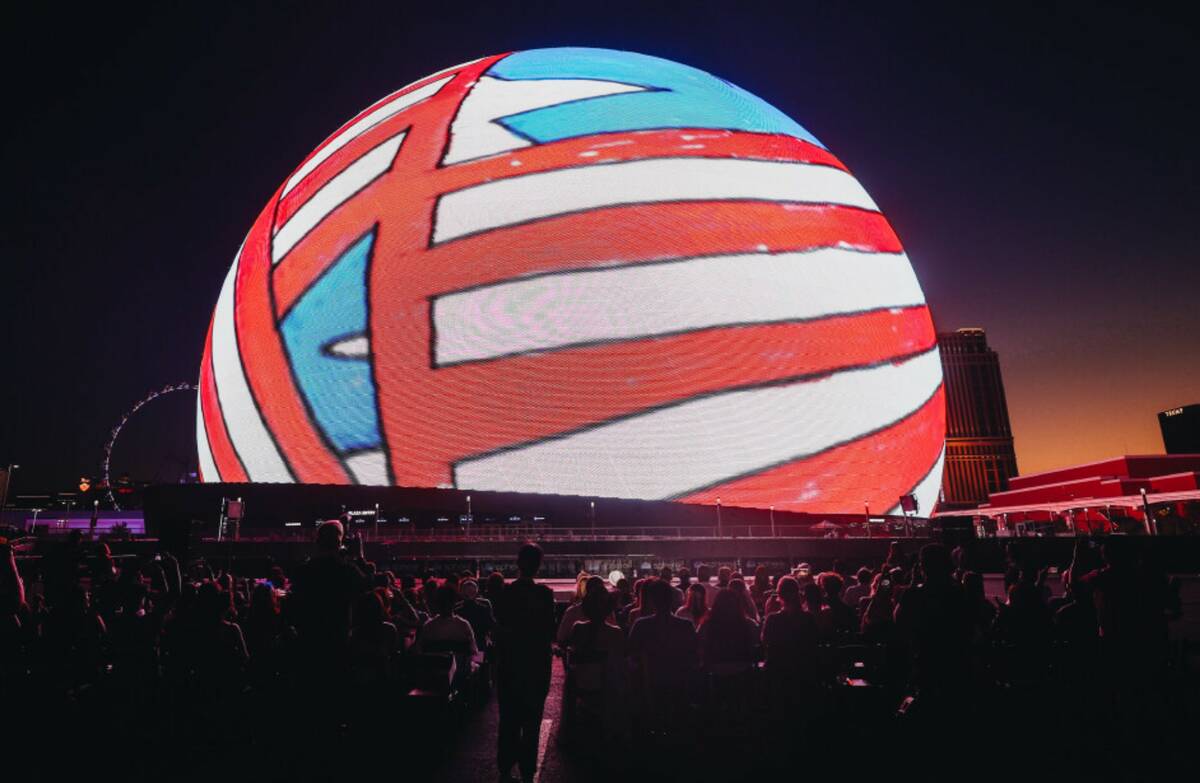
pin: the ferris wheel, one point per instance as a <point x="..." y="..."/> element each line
<point x="116" y="431"/>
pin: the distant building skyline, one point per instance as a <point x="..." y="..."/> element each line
<point x="980" y="457"/>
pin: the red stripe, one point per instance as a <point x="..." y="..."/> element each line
<point x="877" y="469"/>
<point x="431" y="418"/>
<point x="485" y="406"/>
<point x="373" y="136"/>
<point x="635" y="145"/>
<point x="584" y="151"/>
<point x="268" y="371"/>
<point x="613" y="235"/>
<point x="224" y="455"/>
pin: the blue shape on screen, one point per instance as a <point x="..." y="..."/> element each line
<point x="678" y="97"/>
<point x="339" y="390"/>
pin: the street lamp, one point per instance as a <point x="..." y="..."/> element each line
<point x="7" y="483"/>
<point x="718" y="517"/>
<point x="1146" y="513"/>
<point x="592" y="512"/>
<point x="772" y="522"/>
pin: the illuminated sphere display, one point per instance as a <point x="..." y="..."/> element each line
<point x="581" y="272"/>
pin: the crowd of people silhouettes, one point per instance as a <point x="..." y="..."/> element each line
<point x="164" y="649"/>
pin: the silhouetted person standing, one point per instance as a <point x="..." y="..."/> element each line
<point x="935" y="618"/>
<point x="323" y="589"/>
<point x="524" y="633"/>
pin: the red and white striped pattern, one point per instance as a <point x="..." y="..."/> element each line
<point x="680" y="313"/>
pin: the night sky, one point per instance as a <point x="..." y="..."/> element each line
<point x="1040" y="167"/>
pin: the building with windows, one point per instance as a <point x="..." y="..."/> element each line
<point x="979" y="445"/>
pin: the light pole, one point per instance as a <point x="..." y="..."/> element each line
<point x="718" y="517"/>
<point x="7" y="483"/>
<point x="773" y="522"/>
<point x="592" y="507"/>
<point x="1146" y="513"/>
<point x="867" y="516"/>
<point x="469" y="519"/>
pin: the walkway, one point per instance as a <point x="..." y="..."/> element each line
<point x="474" y="755"/>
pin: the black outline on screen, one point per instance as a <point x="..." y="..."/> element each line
<point x="433" y="327"/>
<point x="438" y="201"/>
<point x="434" y="364"/>
<point x="441" y="164"/>
<point x="788" y="381"/>
<point x="846" y="442"/>
<point x="237" y="341"/>
<point x="345" y="125"/>
<point x="312" y="419"/>
<point x="340" y="204"/>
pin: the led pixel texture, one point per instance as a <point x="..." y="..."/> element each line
<point x="581" y="272"/>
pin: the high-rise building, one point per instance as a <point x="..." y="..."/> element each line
<point x="979" y="445"/>
<point x="1181" y="429"/>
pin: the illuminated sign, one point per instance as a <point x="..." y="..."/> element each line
<point x="582" y="272"/>
<point x="1173" y="412"/>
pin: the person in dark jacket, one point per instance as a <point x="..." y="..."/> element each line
<point x="523" y="636"/>
<point x="323" y="590"/>
<point x="476" y="611"/>
<point x="664" y="644"/>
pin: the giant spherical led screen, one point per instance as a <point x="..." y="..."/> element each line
<point x="581" y="272"/>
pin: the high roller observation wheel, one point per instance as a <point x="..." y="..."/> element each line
<point x="116" y="431"/>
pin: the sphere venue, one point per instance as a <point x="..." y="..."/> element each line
<point x="581" y="272"/>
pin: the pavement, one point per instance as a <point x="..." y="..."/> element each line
<point x="474" y="756"/>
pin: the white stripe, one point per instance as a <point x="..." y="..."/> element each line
<point x="369" y="467"/>
<point x="356" y="347"/>
<point x="208" y="466"/>
<point x="246" y="429"/>
<point x="675" y="450"/>
<point x="512" y="200"/>
<point x="927" y="489"/>
<point x="475" y="132"/>
<point x="389" y="109"/>
<point x="354" y="178"/>
<point x="642" y="300"/>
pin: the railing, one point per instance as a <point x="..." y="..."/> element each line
<point x="545" y="532"/>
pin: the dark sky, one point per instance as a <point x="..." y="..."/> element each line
<point x="1039" y="164"/>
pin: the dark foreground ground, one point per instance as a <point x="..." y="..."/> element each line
<point x="1074" y="719"/>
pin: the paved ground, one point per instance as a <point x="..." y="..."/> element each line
<point x="474" y="757"/>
